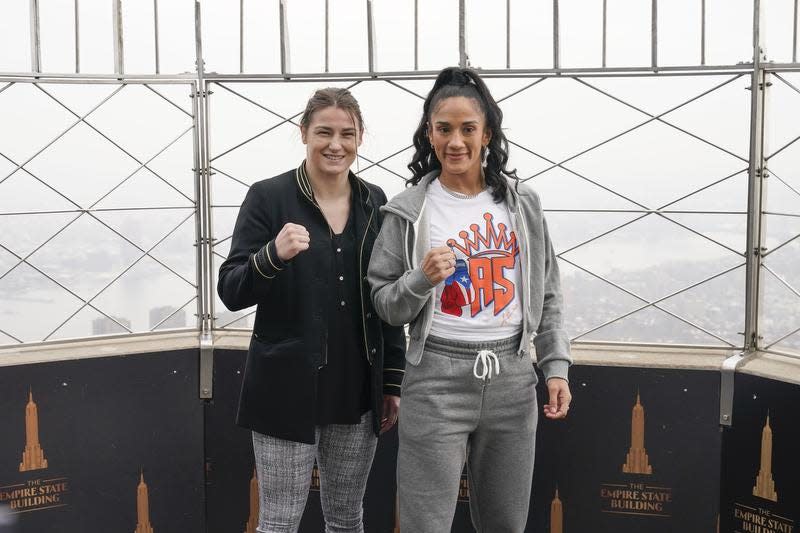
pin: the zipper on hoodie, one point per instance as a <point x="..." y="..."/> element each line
<point x="370" y="359"/>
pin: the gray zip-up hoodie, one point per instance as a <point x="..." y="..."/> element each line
<point x="403" y="295"/>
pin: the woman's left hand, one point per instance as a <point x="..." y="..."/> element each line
<point x="391" y="409"/>
<point x="560" y="398"/>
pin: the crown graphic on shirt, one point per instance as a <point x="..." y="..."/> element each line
<point x="498" y="239"/>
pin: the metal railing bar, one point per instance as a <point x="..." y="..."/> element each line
<point x="378" y="163"/>
<point x="327" y="36"/>
<point x="284" y="36"/>
<point x="237" y="319"/>
<point x="76" y="20"/>
<point x="416" y="35"/>
<point x="569" y="170"/>
<point x="107" y="138"/>
<point x="605" y="33"/>
<point x="777" y="214"/>
<point x="462" y="34"/>
<point x="10" y="336"/>
<point x="699" y="138"/>
<point x="374" y="164"/>
<point x="406" y="89"/>
<point x="144" y="165"/>
<point x="653" y="118"/>
<point x="650" y="303"/>
<point x="100" y="210"/>
<point x="794" y="33"/>
<point x="782" y="339"/>
<point x="220" y="241"/>
<point x="109" y="284"/>
<point x="703" y="188"/>
<point x="182" y="110"/>
<point x="241" y="36"/>
<point x="47" y="185"/>
<point x="35" y="29"/>
<point x="9" y="84"/>
<point x="649" y="211"/>
<point x="61" y="285"/>
<point x="601" y="235"/>
<point x="119" y="54"/>
<point x="556" y="37"/>
<point x="775" y="249"/>
<point x="506" y="97"/>
<point x="654" y="34"/>
<point x="129" y="241"/>
<point x="699" y="234"/>
<point x="508" y="33"/>
<point x="156" y="44"/>
<point x="370" y="38"/>
<point x="781" y="280"/>
<point x="782" y="148"/>
<point x="653" y="304"/>
<point x="175" y="312"/>
<point x="283" y="121"/>
<point x="792" y="355"/>
<point x="237" y="180"/>
<point x="702" y="32"/>
<point x="49" y="144"/>
<point x="784" y="80"/>
<point x="788" y="185"/>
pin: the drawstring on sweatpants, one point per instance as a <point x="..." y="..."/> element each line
<point x="488" y="360"/>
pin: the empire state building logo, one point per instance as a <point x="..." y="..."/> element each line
<point x="637" y="461"/>
<point x="556" y="515"/>
<point x="142" y="508"/>
<point x="33" y="456"/>
<point x="765" y="485"/>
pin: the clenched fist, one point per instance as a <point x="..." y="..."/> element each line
<point x="292" y="239"/>
<point x="438" y="264"/>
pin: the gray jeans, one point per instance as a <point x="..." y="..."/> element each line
<point x="449" y="416"/>
<point x="344" y="456"/>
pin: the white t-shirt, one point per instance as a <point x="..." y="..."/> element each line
<point x="481" y="300"/>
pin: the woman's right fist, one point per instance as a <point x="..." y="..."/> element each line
<point x="438" y="264"/>
<point x="291" y="240"/>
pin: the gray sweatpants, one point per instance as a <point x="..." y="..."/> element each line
<point x="344" y="456"/>
<point x="447" y="416"/>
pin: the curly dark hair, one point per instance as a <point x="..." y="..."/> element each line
<point x="457" y="81"/>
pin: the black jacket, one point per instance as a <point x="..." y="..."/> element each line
<point x="289" y="340"/>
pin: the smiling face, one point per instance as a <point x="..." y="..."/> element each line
<point x="457" y="130"/>
<point x="331" y="138"/>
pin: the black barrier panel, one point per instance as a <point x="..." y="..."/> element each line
<point x="639" y="452"/>
<point x="106" y="444"/>
<point x="761" y="465"/>
<point x="229" y="464"/>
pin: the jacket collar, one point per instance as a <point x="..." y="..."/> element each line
<point x="360" y="190"/>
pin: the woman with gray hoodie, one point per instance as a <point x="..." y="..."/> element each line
<point x="465" y="259"/>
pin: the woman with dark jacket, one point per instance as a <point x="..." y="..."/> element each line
<point x="323" y="372"/>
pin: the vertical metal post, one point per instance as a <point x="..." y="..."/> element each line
<point x="508" y="34"/>
<point x="605" y="31"/>
<point x="370" y="37"/>
<point x="654" y="34"/>
<point x="462" y="34"/>
<point x="756" y="183"/>
<point x="119" y="61"/>
<point x="703" y="32"/>
<point x="205" y="295"/>
<point x="155" y="36"/>
<point x="556" y="37"/>
<point x="241" y="36"/>
<point x="794" y="34"/>
<point x="77" y="39"/>
<point x="327" y="36"/>
<point x="756" y="194"/>
<point x="284" y="27"/>
<point x="416" y="34"/>
<point x="36" y="49"/>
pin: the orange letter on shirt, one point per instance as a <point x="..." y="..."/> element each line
<point x="505" y="293"/>
<point x="480" y="270"/>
